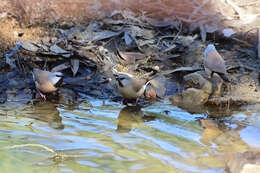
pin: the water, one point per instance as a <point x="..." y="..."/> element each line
<point x="106" y="137"/>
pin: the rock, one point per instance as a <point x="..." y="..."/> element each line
<point x="247" y="162"/>
<point x="217" y="83"/>
<point x="195" y="96"/>
<point x="200" y="80"/>
<point x="224" y="101"/>
<point x="196" y="80"/>
<point x="67" y="96"/>
<point x="250" y="168"/>
<point x="196" y="93"/>
<point x="191" y="99"/>
<point x="200" y="89"/>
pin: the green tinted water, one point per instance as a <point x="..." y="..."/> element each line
<point x="106" y="137"/>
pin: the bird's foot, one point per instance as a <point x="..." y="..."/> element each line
<point x="136" y="101"/>
<point x="43" y="96"/>
<point x="125" y="102"/>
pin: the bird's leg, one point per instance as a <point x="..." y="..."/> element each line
<point x="211" y="74"/>
<point x="136" y="101"/>
<point x="125" y="102"/>
<point x="229" y="93"/>
<point x="42" y="96"/>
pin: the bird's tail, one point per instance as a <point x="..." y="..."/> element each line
<point x="153" y="74"/>
<point x="225" y="78"/>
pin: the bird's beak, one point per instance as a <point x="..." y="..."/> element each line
<point x="116" y="76"/>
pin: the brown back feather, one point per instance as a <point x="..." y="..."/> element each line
<point x="138" y="83"/>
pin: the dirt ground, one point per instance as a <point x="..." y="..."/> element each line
<point x="239" y="51"/>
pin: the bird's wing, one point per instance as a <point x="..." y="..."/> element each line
<point x="58" y="84"/>
<point x="138" y="84"/>
<point x="55" y="78"/>
<point x="215" y="62"/>
<point x="40" y="76"/>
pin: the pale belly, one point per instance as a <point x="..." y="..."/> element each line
<point x="46" y="88"/>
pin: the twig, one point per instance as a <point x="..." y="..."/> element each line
<point x="164" y="37"/>
<point x="242" y="41"/>
<point x="258" y="46"/>
<point x="247" y="32"/>
<point x="198" y="9"/>
<point x="32" y="145"/>
<point x="56" y="157"/>
<point x="258" y="52"/>
<point x="60" y="67"/>
<point x="236" y="8"/>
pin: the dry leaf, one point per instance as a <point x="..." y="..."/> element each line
<point x="181" y="69"/>
<point x="59" y="51"/>
<point x="30" y="46"/>
<point x="131" y="57"/>
<point x="56" y="49"/>
<point x="74" y="66"/>
<point x="170" y="48"/>
<point x="105" y="35"/>
<point x="128" y="39"/>
<point x="228" y="32"/>
<point x="203" y="33"/>
<point x="60" y="67"/>
<point x="11" y="53"/>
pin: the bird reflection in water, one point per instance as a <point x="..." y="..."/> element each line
<point x="46" y="112"/>
<point x="130" y="117"/>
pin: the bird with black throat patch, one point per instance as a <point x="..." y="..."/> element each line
<point x="131" y="87"/>
<point x="46" y="81"/>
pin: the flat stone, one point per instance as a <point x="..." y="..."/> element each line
<point x="250" y="168"/>
<point x="196" y="80"/>
<point x="191" y="99"/>
<point x="217" y="83"/>
<point x="246" y="162"/>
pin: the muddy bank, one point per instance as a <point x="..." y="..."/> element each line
<point x="87" y="55"/>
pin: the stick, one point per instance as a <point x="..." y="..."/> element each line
<point x="258" y="52"/>
<point x="31" y="145"/>
<point x="198" y="9"/>
<point x="258" y="46"/>
<point x="236" y="8"/>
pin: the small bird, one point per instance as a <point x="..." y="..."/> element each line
<point x="130" y="87"/>
<point x="214" y="63"/>
<point x="46" y="82"/>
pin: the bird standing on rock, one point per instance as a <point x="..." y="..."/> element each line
<point x="46" y="82"/>
<point x="130" y="87"/>
<point x="214" y="63"/>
